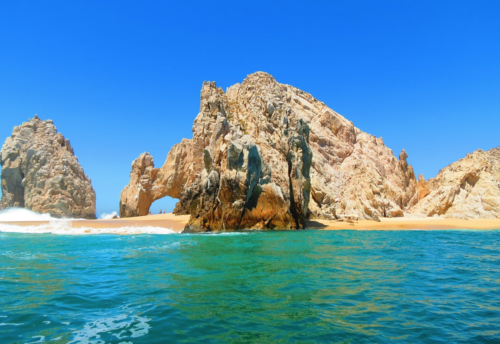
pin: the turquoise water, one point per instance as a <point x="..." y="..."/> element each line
<point x="274" y="287"/>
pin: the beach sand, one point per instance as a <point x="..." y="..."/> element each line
<point x="177" y="223"/>
<point x="402" y="223"/>
<point x="170" y="221"/>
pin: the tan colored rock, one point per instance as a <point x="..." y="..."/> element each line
<point x="224" y="176"/>
<point x="40" y="172"/>
<point x="137" y="197"/>
<point x="422" y="187"/>
<point x="468" y="188"/>
<point x="147" y="183"/>
<point x="352" y="174"/>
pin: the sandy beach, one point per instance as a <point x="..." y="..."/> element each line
<point x="401" y="223"/>
<point x="170" y="221"/>
<point x="177" y="223"/>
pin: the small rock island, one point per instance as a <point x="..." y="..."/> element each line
<point x="40" y="172"/>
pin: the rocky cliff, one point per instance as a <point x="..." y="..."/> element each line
<point x="263" y="155"/>
<point x="247" y="166"/>
<point x="40" y="172"/>
<point x="468" y="188"/>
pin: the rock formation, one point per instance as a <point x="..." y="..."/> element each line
<point x="247" y="166"/>
<point x="468" y="188"/>
<point x="40" y="172"/>
<point x="259" y="151"/>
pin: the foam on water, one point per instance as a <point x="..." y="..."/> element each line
<point x="64" y="228"/>
<point x="106" y="216"/>
<point x="218" y="233"/>
<point x="123" y="326"/>
<point x="21" y="214"/>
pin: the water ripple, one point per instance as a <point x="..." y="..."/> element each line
<point x="302" y="287"/>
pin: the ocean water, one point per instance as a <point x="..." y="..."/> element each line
<point x="254" y="287"/>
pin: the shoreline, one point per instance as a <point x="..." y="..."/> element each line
<point x="167" y="221"/>
<point x="178" y="222"/>
<point x="405" y="223"/>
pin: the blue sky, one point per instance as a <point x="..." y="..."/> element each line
<point x="123" y="77"/>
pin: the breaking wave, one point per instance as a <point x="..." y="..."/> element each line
<point x="106" y="216"/>
<point x="21" y="214"/>
<point x="65" y="228"/>
<point x="222" y="233"/>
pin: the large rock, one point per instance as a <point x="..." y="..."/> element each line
<point x="468" y="188"/>
<point x="243" y="168"/>
<point x="260" y="151"/>
<point x="40" y="172"/>
<point x="353" y="174"/>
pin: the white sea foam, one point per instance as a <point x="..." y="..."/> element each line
<point x="11" y="324"/>
<point x="123" y="326"/>
<point x="41" y="339"/>
<point x="106" y="216"/>
<point x="220" y="233"/>
<point x="230" y="233"/>
<point x="20" y="214"/>
<point x="64" y="228"/>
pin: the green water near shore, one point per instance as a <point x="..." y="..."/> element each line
<point x="273" y="287"/>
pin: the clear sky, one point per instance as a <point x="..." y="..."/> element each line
<point x="123" y="77"/>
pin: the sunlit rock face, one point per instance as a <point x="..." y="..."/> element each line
<point x="266" y="155"/>
<point x="468" y="188"/>
<point x="40" y="172"/>
<point x="247" y="165"/>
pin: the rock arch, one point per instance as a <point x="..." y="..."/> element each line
<point x="148" y="184"/>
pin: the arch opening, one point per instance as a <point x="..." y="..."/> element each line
<point x="166" y="204"/>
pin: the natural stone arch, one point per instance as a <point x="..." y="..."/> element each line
<point x="165" y="204"/>
<point x="148" y="184"/>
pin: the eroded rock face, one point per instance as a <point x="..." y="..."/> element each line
<point x="147" y="183"/>
<point x="40" y="172"/>
<point x="468" y="188"/>
<point x="244" y="168"/>
<point x="264" y="154"/>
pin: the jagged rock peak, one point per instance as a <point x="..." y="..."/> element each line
<point x="260" y="78"/>
<point x="247" y="166"/>
<point x="40" y="172"/>
<point x="467" y="188"/>
<point x="495" y="152"/>
<point x="352" y="174"/>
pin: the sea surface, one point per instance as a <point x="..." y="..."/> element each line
<point x="254" y="287"/>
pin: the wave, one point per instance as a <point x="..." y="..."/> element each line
<point x="21" y="214"/>
<point x="106" y="216"/>
<point x="122" y="326"/>
<point x="218" y="233"/>
<point x="65" y="228"/>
